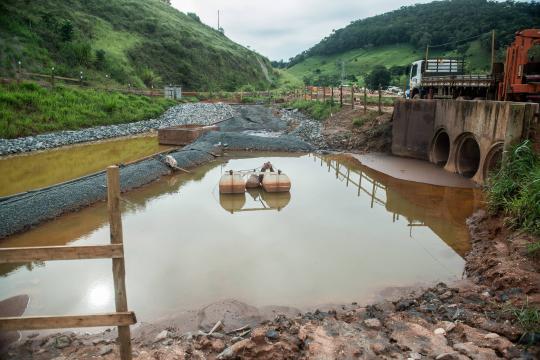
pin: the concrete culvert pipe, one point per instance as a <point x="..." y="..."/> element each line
<point x="493" y="160"/>
<point x="441" y="149"/>
<point x="468" y="157"/>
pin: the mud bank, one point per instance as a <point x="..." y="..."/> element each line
<point x="19" y="212"/>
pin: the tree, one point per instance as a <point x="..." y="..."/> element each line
<point x="66" y="31"/>
<point x="100" y="59"/>
<point x="194" y="16"/>
<point x="378" y="76"/>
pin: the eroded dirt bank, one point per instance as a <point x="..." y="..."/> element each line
<point x="472" y="319"/>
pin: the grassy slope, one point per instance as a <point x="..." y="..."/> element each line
<point x="135" y="34"/>
<point x="29" y="109"/>
<point x="361" y="61"/>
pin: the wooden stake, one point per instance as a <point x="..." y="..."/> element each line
<point x="118" y="267"/>
<point x="332" y="89"/>
<point x="352" y="97"/>
<point x="341" y="95"/>
<point x="380" y="100"/>
<point x="324" y="94"/>
<point x="365" y="99"/>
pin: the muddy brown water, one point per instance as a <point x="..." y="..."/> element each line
<point x="41" y="169"/>
<point x="327" y="242"/>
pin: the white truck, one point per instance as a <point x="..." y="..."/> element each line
<point x="446" y="79"/>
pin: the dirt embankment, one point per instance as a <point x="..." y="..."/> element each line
<point x="356" y="131"/>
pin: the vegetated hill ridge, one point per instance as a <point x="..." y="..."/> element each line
<point x="397" y="38"/>
<point x="138" y="42"/>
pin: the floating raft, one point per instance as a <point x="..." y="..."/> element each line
<point x="183" y="134"/>
<point x="232" y="183"/>
<point x="272" y="182"/>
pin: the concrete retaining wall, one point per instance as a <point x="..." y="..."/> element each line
<point x="466" y="137"/>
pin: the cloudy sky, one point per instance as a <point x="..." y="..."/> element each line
<point x="280" y="29"/>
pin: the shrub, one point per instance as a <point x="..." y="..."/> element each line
<point x="77" y="53"/>
<point x="514" y="190"/>
<point x="66" y="31"/>
<point x="316" y="109"/>
<point x="100" y="59"/>
<point x="362" y="119"/>
<point x="378" y="76"/>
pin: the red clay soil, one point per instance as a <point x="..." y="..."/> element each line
<point x="499" y="259"/>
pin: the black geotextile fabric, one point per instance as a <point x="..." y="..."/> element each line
<point x="22" y="211"/>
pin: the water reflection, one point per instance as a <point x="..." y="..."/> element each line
<point x="254" y="200"/>
<point x="342" y="234"/>
<point x="444" y="210"/>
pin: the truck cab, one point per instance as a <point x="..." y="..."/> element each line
<point x="415" y="78"/>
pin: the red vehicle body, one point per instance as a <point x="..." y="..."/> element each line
<point x="521" y="80"/>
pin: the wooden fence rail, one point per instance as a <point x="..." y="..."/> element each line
<point x="122" y="318"/>
<point x="346" y="96"/>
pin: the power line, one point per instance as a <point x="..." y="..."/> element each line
<point x="457" y="41"/>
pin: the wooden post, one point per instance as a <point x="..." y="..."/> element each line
<point x="365" y="99"/>
<point x="332" y="90"/>
<point x="341" y="95"/>
<point x="119" y="272"/>
<point x="311" y="94"/>
<point x="373" y="194"/>
<point x="360" y="183"/>
<point x="427" y="54"/>
<point x="324" y="94"/>
<point x="352" y="97"/>
<point x="19" y="72"/>
<point x="52" y="76"/>
<point x="380" y="100"/>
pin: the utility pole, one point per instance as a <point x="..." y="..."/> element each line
<point x="492" y="49"/>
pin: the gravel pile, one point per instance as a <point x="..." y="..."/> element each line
<point x="203" y="114"/>
<point x="305" y="128"/>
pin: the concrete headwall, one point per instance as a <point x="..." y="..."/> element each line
<point x="466" y="137"/>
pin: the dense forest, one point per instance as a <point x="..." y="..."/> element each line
<point x="128" y="42"/>
<point x="450" y="22"/>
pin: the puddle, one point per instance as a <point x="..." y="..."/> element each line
<point x="41" y="169"/>
<point x="327" y="242"/>
<point x="263" y="133"/>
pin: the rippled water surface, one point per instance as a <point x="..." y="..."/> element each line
<point x="328" y="241"/>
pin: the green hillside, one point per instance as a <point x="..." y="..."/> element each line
<point x="357" y="63"/>
<point x="397" y="38"/>
<point x="138" y="42"/>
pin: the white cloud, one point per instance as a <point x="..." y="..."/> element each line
<point x="281" y="29"/>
